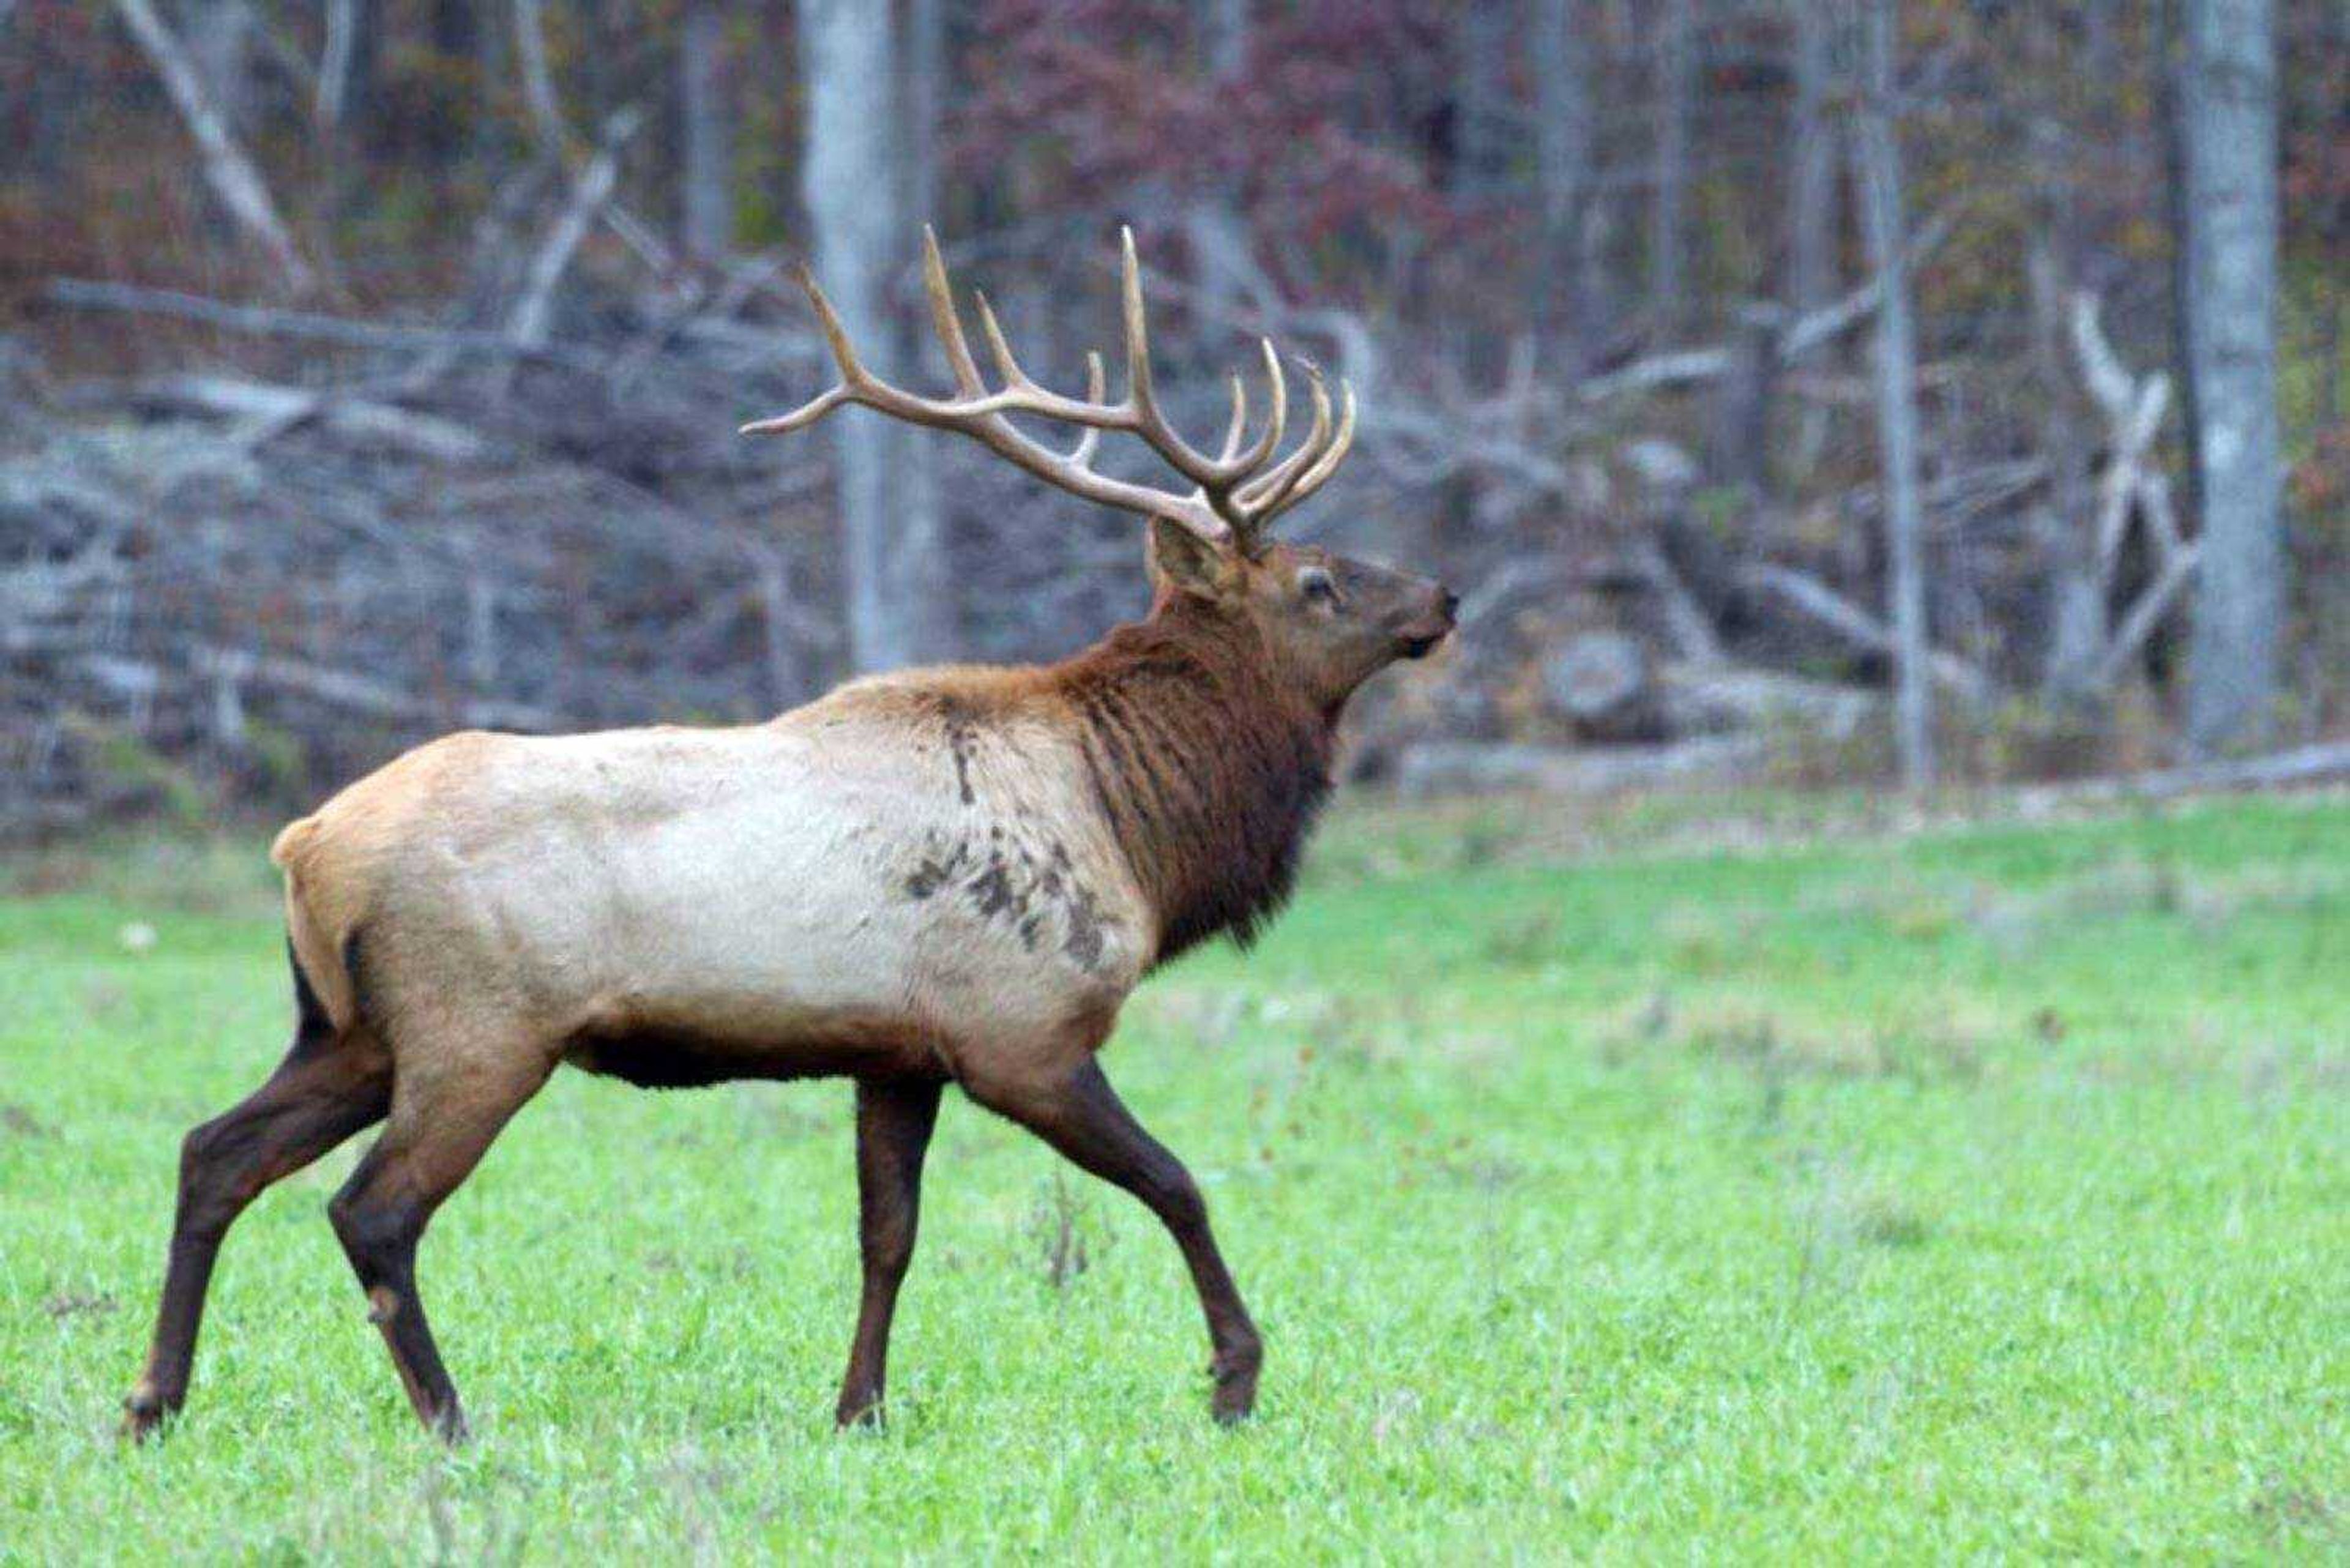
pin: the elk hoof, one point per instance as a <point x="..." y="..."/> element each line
<point x="143" y="1414"/>
<point x="1235" y="1395"/>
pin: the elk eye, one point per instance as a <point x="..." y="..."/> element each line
<point x="1316" y="585"/>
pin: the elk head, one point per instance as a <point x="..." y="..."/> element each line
<point x="1322" y="623"/>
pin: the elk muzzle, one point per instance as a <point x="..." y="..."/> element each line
<point x="1419" y="637"/>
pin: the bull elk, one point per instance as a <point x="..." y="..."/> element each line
<point x="939" y="875"/>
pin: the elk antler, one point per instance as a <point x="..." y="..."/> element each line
<point x="1236" y="493"/>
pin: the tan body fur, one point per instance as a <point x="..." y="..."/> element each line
<point x="862" y="886"/>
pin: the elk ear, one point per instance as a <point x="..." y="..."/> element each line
<point x="1181" y="560"/>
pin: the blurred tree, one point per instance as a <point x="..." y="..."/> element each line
<point x="2229" y="129"/>
<point x="220" y="36"/>
<point x="894" y="561"/>
<point x="346" y="60"/>
<point x="1878" y="159"/>
<point x="705" y="132"/>
<point x="1567" y="283"/>
<point x="1673" y="105"/>
<point x="1436" y="197"/>
<point x="231" y="172"/>
<point x="1811" y="206"/>
<point x="1222" y="249"/>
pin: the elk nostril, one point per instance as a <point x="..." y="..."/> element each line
<point x="1452" y="602"/>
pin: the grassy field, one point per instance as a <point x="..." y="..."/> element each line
<point x="1977" y="1192"/>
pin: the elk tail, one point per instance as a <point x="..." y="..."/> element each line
<point x="325" y="956"/>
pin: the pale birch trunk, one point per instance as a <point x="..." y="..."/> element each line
<point x="1877" y="154"/>
<point x="1569" y="300"/>
<point x="1221" y="247"/>
<point x="894" y="567"/>
<point x="1669" y="198"/>
<point x="2228" y="129"/>
<point x="706" y="151"/>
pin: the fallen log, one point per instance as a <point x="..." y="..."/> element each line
<point x="1469" y="767"/>
<point x="2318" y="765"/>
<point x="269" y="409"/>
<point x="1704" y="698"/>
<point x="1856" y="625"/>
<point x="1599" y="679"/>
<point x="253" y="320"/>
<point x="360" y="693"/>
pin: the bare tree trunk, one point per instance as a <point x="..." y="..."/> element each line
<point x="1811" y="210"/>
<point x="2169" y="61"/>
<point x="1812" y="207"/>
<point x="1221" y="247"/>
<point x="534" y="312"/>
<point x="1568" y="302"/>
<point x="1877" y="155"/>
<point x="2229" y="125"/>
<point x="921" y="97"/>
<point x="230" y="173"/>
<point x="706" y="144"/>
<point x="2077" y="615"/>
<point x="928" y="579"/>
<point x="1481" y="153"/>
<point x="220" y="35"/>
<point x="1668" y="199"/>
<point x="2077" y="630"/>
<point x="1481" y="97"/>
<point x="339" y="59"/>
<point x="851" y="181"/>
<point x="537" y="79"/>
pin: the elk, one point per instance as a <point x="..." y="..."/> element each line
<point x="937" y="875"/>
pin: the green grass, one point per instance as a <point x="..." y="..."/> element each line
<point x="1982" y="1193"/>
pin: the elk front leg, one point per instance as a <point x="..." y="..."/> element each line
<point x="1081" y="1115"/>
<point x="893" y="1131"/>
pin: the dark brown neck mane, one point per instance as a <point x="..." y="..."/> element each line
<point x="1210" y="773"/>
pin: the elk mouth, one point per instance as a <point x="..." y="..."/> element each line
<point x="1420" y="639"/>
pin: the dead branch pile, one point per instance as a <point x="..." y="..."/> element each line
<point x="274" y="581"/>
<point x="340" y="535"/>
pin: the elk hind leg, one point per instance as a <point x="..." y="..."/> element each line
<point x="440" y="1127"/>
<point x="330" y="1085"/>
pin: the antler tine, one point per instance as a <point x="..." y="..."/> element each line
<point x="1239" y="425"/>
<point x="844" y="356"/>
<point x="1271" y="438"/>
<point x="1324" y="466"/>
<point x="1278" y="425"/>
<point x="1236" y="493"/>
<point x="807" y="414"/>
<point x="946" y="319"/>
<point x="1096" y="384"/>
<point x="1216" y="477"/>
<point x="1138" y="393"/>
<point x="1006" y="365"/>
<point x="1264" y="496"/>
